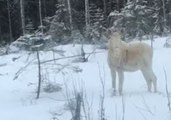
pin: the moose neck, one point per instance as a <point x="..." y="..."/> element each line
<point x="115" y="41"/>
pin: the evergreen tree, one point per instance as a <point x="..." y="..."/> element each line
<point x="29" y="27"/>
<point x="135" y="18"/>
<point x="59" y="24"/>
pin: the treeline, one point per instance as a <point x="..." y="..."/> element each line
<point x="11" y="8"/>
<point x="65" y="17"/>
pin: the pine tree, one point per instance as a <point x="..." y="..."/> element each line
<point x="161" y="16"/>
<point x="29" y="27"/>
<point x="95" y="24"/>
<point x="59" y="24"/>
<point x="168" y="14"/>
<point x="135" y="18"/>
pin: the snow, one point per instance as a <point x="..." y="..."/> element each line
<point x="18" y="97"/>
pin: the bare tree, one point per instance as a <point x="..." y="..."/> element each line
<point x="0" y="30"/>
<point x="44" y="8"/>
<point x="87" y="15"/>
<point x="22" y="16"/>
<point x="104" y="8"/>
<point x="110" y="5"/>
<point x="70" y="13"/>
<point x="124" y="2"/>
<point x="40" y="16"/>
<point x="164" y="15"/>
<point x="117" y="1"/>
<point x="9" y="20"/>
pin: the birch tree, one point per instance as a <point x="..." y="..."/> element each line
<point x="22" y="16"/>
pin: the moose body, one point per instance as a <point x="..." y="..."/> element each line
<point x="130" y="57"/>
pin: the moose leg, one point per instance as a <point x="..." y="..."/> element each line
<point x="113" y="73"/>
<point x="150" y="79"/>
<point x="121" y="80"/>
<point x="147" y="78"/>
<point x="154" y="80"/>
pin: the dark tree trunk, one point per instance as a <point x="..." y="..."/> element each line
<point x="9" y="20"/>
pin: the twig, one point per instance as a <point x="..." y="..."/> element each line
<point x="116" y="114"/>
<point x="22" y="69"/>
<point x="102" y="96"/>
<point x="167" y="92"/>
<point x="90" y="53"/>
<point x="62" y="100"/>
<point x="123" y="107"/>
<point x="39" y="74"/>
<point x="86" y="107"/>
<point x="147" y="107"/>
<point x="77" y="115"/>
<point x="69" y="100"/>
<point x="141" y="113"/>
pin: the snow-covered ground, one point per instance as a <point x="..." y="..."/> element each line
<point x="18" y="96"/>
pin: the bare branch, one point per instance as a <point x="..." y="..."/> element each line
<point x="39" y="74"/>
<point x="102" y="96"/>
<point x="22" y="69"/>
<point x="167" y="91"/>
<point x="147" y="107"/>
<point x="141" y="113"/>
<point x="123" y="107"/>
<point x="67" y="57"/>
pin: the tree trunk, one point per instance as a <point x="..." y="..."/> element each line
<point x="87" y="16"/>
<point x="110" y="5"/>
<point x="118" y="5"/>
<point x="0" y="30"/>
<point x="124" y="2"/>
<point x="22" y="16"/>
<point x="70" y="14"/>
<point x="164" y="15"/>
<point x="40" y="15"/>
<point x="104" y="8"/>
<point x="9" y="20"/>
<point x="44" y="8"/>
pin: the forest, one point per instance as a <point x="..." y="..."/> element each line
<point x="135" y="17"/>
<point x="85" y="59"/>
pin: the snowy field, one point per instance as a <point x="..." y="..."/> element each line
<point x="18" y="96"/>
